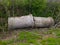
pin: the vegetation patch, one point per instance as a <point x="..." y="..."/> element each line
<point x="34" y="37"/>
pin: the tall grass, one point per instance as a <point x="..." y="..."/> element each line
<point x="22" y="7"/>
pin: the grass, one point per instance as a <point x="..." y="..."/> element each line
<point x="26" y="36"/>
<point x="34" y="37"/>
<point x="51" y="41"/>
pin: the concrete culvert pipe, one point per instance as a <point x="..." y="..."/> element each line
<point x="20" y="22"/>
<point x="43" y="21"/>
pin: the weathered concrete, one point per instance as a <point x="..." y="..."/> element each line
<point x="29" y="21"/>
<point x="20" y="22"/>
<point x="43" y="21"/>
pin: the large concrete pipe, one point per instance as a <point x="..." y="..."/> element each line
<point x="43" y="21"/>
<point x="29" y="21"/>
<point x="20" y="22"/>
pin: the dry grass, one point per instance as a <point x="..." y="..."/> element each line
<point x="41" y="36"/>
